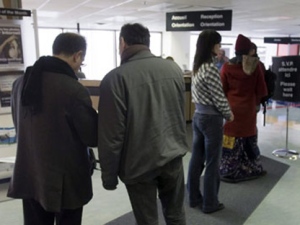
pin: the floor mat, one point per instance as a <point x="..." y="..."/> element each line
<point x="240" y="199"/>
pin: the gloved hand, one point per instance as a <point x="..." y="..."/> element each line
<point x="109" y="182"/>
<point x="110" y="187"/>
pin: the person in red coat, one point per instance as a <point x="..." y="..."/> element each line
<point x="244" y="86"/>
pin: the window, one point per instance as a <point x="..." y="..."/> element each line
<point x="46" y="39"/>
<point x="102" y="49"/>
<point x="100" y="57"/>
<point x="156" y="43"/>
<point x="193" y="43"/>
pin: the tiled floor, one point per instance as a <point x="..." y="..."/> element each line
<point x="280" y="207"/>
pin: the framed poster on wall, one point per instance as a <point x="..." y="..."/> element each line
<point x="11" y="50"/>
<point x="6" y="81"/>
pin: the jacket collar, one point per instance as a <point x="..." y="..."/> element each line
<point x="131" y="51"/>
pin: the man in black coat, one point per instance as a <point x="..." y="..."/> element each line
<point x="55" y="123"/>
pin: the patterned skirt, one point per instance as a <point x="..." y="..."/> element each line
<point x="239" y="161"/>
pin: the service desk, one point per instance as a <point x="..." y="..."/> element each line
<point x="93" y="88"/>
<point x="189" y="106"/>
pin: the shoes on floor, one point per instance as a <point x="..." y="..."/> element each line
<point x="263" y="173"/>
<point x="228" y="180"/>
<point x="220" y="207"/>
<point x="236" y="180"/>
<point x="196" y="204"/>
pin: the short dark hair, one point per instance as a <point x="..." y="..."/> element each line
<point x="135" y="34"/>
<point x="68" y="44"/>
<point x="205" y="43"/>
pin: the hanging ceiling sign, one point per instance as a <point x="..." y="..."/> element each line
<point x="282" y="40"/>
<point x="199" y="20"/>
<point x="14" y="12"/>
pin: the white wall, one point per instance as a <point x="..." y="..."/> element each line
<point x="177" y="45"/>
<point x="28" y="40"/>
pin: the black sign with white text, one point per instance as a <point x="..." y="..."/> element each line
<point x="287" y="86"/>
<point x="199" y="20"/>
<point x="14" y="12"/>
<point x="282" y="40"/>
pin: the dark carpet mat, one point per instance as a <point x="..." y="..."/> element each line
<point x="240" y="199"/>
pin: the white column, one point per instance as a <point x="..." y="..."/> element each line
<point x="36" y="33"/>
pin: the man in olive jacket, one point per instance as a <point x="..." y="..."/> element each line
<point x="55" y="123"/>
<point x="142" y="129"/>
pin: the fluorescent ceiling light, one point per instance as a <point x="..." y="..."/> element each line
<point x="265" y="30"/>
<point x="271" y="19"/>
<point x="121" y="19"/>
<point x="48" y="14"/>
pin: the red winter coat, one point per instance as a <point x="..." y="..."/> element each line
<point x="243" y="93"/>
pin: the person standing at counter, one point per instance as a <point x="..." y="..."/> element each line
<point x="221" y="58"/>
<point x="55" y="123"/>
<point x="142" y="129"/>
<point x="211" y="108"/>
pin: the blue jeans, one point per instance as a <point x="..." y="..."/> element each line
<point x="207" y="147"/>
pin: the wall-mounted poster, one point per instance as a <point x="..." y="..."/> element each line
<point x="6" y="81"/>
<point x="7" y="135"/>
<point x="10" y="46"/>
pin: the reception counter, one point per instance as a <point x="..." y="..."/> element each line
<point x="189" y="106"/>
<point x="93" y="88"/>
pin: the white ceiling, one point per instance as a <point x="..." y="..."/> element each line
<point x="254" y="18"/>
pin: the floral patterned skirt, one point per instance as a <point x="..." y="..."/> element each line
<point x="241" y="162"/>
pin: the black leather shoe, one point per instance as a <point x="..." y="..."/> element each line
<point x="220" y="207"/>
<point x="194" y="205"/>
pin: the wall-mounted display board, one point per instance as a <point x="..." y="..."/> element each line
<point x="11" y="51"/>
<point x="199" y="20"/>
<point x="6" y="81"/>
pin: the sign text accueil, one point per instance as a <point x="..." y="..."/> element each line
<point x="199" y="20"/>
